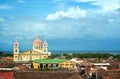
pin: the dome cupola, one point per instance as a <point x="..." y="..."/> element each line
<point x="37" y="40"/>
<point x="37" y="44"/>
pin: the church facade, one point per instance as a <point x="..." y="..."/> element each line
<point x="39" y="51"/>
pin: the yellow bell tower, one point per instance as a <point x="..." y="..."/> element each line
<point x="16" y="50"/>
<point x="45" y="47"/>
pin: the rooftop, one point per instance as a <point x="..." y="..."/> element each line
<point x="49" y="60"/>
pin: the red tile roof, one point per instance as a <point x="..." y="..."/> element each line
<point x="75" y="76"/>
<point x="22" y="67"/>
<point x="6" y="75"/>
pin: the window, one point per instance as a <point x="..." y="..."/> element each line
<point x="15" y="56"/>
<point x="16" y="45"/>
<point x="30" y="57"/>
<point x="36" y="47"/>
<point x="44" y="56"/>
<point x="30" y="51"/>
<point x="44" y="50"/>
<point x="39" y="47"/>
<point x="15" y="50"/>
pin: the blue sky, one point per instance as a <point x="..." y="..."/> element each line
<point x="80" y="25"/>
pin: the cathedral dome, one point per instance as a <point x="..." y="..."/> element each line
<point x="37" y="40"/>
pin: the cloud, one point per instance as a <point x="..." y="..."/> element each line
<point x="104" y="6"/>
<point x="22" y="29"/>
<point x="5" y="6"/>
<point x="108" y="5"/>
<point x="73" y="12"/>
<point x="90" y="27"/>
<point x="21" y="1"/>
<point x="2" y="20"/>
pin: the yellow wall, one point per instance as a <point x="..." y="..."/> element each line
<point x="29" y="55"/>
<point x="38" y="50"/>
<point x="16" y="48"/>
<point x="67" y="64"/>
<point x="16" y="56"/>
<point x="35" y="65"/>
<point x="45" y="49"/>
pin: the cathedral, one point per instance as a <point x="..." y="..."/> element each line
<point x="39" y="51"/>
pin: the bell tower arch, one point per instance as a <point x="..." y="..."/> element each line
<point x="16" y="50"/>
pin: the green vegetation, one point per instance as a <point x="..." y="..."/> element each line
<point x="7" y="54"/>
<point x="55" y="55"/>
<point x="3" y="54"/>
<point x="88" y="55"/>
<point x="117" y="57"/>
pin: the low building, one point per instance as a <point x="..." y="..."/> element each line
<point x="102" y="65"/>
<point x="87" y="65"/>
<point x="7" y="59"/>
<point x="50" y="63"/>
<point x="68" y="64"/>
<point x="77" y="60"/>
<point x="53" y="63"/>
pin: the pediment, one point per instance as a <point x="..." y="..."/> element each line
<point x="30" y="52"/>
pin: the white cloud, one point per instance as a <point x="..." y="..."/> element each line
<point x="24" y="29"/>
<point x="105" y="5"/>
<point x="73" y="12"/>
<point x="84" y="28"/>
<point x="4" y="7"/>
<point x="108" y="5"/>
<point x="2" y="20"/>
<point x="21" y="1"/>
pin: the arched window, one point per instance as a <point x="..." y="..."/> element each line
<point x="36" y="47"/>
<point x="15" y="56"/>
<point x="44" y="50"/>
<point x="39" y="47"/>
<point x="16" y="45"/>
<point x="30" y="51"/>
<point x="30" y="57"/>
<point x="15" y="50"/>
<point x="44" y="56"/>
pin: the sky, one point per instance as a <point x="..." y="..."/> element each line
<point x="67" y="25"/>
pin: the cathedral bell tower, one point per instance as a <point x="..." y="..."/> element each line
<point x="45" y="47"/>
<point x="16" y="50"/>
